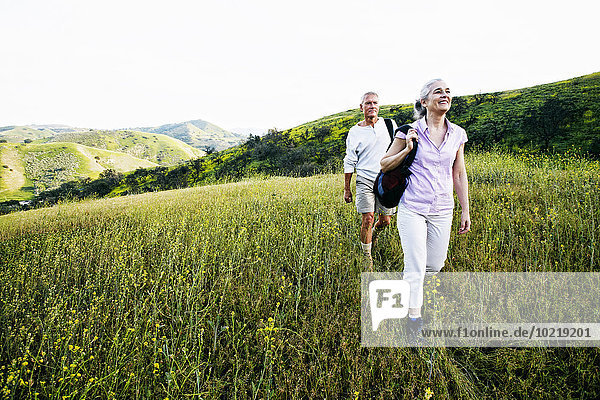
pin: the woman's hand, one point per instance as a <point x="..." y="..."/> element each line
<point x="398" y="151"/>
<point x="412" y="134"/>
<point x="465" y="223"/>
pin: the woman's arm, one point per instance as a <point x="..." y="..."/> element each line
<point x="461" y="186"/>
<point x="398" y="151"/>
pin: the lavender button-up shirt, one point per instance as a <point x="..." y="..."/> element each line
<point x="429" y="190"/>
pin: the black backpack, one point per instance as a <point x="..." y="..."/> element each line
<point x="390" y="128"/>
<point x="389" y="186"/>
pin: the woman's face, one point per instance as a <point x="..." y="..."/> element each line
<point x="439" y="99"/>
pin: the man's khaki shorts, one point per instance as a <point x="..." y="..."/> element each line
<point x="366" y="201"/>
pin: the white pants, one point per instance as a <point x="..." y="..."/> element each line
<point x="425" y="241"/>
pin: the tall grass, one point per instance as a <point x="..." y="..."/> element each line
<point x="252" y="290"/>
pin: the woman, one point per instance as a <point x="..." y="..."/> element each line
<point x="425" y="210"/>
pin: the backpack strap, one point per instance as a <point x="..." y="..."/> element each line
<point x="390" y="128"/>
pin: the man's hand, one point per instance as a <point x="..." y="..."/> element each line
<point x="347" y="195"/>
<point x="347" y="191"/>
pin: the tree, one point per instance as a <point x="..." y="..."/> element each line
<point x="459" y="106"/>
<point x="494" y="97"/>
<point x="322" y="132"/>
<point x="111" y="175"/>
<point x="209" y="149"/>
<point x="480" y="98"/>
<point x="548" y="121"/>
<point x="402" y="116"/>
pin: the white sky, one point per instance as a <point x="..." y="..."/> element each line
<point x="272" y="63"/>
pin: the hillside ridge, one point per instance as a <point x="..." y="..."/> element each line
<point x="554" y="117"/>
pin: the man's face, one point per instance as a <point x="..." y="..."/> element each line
<point x="370" y="106"/>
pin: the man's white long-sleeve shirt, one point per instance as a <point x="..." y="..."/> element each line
<point x="365" y="147"/>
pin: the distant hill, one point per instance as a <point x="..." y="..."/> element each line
<point x="157" y="148"/>
<point x="17" y="134"/>
<point x="27" y="169"/>
<point x="58" y="128"/>
<point x="199" y="134"/>
<point x="37" y="164"/>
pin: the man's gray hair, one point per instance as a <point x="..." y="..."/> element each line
<point x="364" y="96"/>
<point x="421" y="111"/>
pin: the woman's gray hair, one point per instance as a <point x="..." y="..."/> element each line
<point x="421" y="111"/>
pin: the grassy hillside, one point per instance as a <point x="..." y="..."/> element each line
<point x="552" y="118"/>
<point x="33" y="166"/>
<point x="27" y="169"/>
<point x="198" y="133"/>
<point x="252" y="290"/>
<point x="157" y="148"/>
<point x="17" y="134"/>
<point x="557" y="117"/>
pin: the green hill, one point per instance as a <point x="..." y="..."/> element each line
<point x="152" y="143"/>
<point x="28" y="169"/>
<point x="556" y="117"/>
<point x="157" y="148"/>
<point x="17" y="134"/>
<point x="49" y="159"/>
<point x="198" y="133"/>
<point x="553" y="117"/>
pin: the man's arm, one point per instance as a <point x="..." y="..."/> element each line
<point x="350" y="161"/>
<point x="347" y="190"/>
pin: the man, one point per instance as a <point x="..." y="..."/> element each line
<point x="366" y="144"/>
